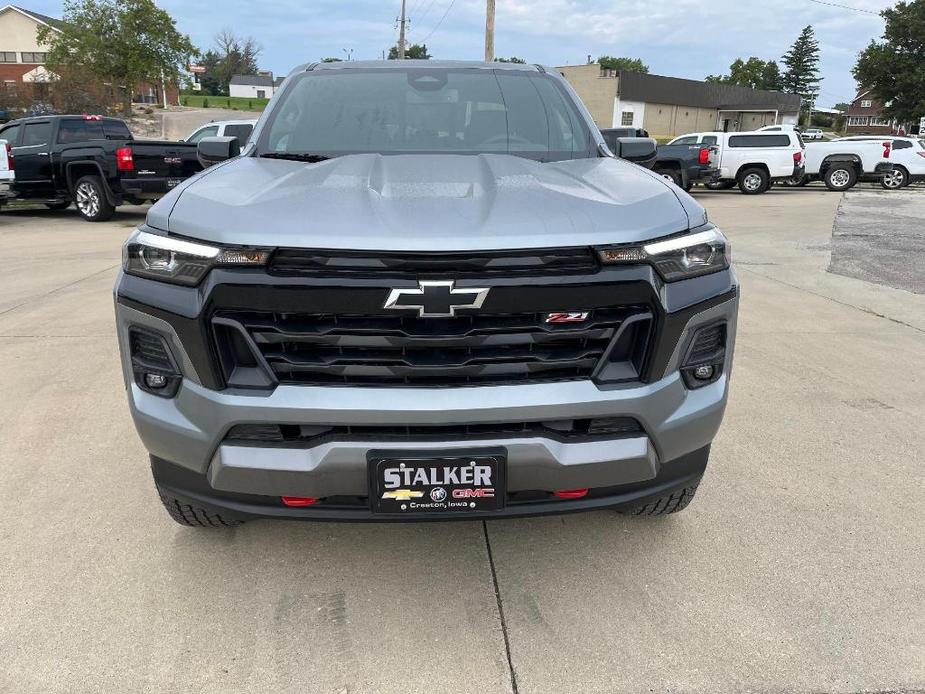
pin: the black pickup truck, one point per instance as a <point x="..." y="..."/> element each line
<point x="685" y="162"/>
<point x="94" y="162"/>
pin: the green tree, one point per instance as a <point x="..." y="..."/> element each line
<point x="124" y="42"/>
<point x="893" y="67"/>
<point x="842" y="106"/>
<point x="512" y="59"/>
<point x="416" y="51"/>
<point x="609" y="62"/>
<point x="754" y="72"/>
<point x="237" y="55"/>
<point x="802" y="69"/>
<point x="332" y="60"/>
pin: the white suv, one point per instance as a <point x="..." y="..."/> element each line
<point x="907" y="156"/>
<point x="240" y="129"/>
<point x="753" y="160"/>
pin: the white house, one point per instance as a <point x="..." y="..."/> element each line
<point x="252" y="86"/>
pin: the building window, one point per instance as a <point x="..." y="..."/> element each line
<point x="7" y="57"/>
<point x="866" y="103"/>
<point x="261" y="94"/>
<point x="877" y="120"/>
<point x="627" y="118"/>
<point x="861" y="121"/>
<point x="33" y="57"/>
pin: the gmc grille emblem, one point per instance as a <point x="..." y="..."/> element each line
<point x="436" y="299"/>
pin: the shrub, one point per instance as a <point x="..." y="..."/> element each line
<point x="228" y="103"/>
<point x="205" y="103"/>
<point x="250" y="105"/>
<point x="184" y="101"/>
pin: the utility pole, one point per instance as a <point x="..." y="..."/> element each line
<point x="401" y="32"/>
<point x="490" y="31"/>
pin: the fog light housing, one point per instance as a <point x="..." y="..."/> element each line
<point x="703" y="363"/>
<point x="153" y="365"/>
<point x="704" y="372"/>
<point x="156" y="381"/>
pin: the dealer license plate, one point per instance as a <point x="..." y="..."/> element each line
<point x="435" y="484"/>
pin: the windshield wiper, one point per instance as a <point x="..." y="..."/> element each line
<point x="296" y="156"/>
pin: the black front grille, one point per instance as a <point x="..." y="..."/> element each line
<point x="312" y="263"/>
<point x="327" y="349"/>
<point x="570" y="430"/>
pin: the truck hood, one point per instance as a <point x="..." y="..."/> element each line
<point x="426" y="202"/>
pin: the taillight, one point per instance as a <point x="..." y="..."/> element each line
<point x="10" y="161"/>
<point x="704" y="155"/>
<point x="887" y="146"/>
<point x="921" y="154"/>
<point x="797" y="157"/>
<point x="124" y="159"/>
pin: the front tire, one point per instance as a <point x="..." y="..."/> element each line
<point x="91" y="200"/>
<point x="754" y="181"/>
<point x="662" y="506"/>
<point x="839" y="178"/>
<point x="193" y="516"/>
<point x="896" y="179"/>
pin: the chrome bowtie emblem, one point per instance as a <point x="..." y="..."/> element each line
<point x="436" y="299"/>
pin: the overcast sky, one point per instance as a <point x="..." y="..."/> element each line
<point x="680" y="38"/>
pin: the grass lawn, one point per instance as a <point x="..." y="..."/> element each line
<point x="237" y="103"/>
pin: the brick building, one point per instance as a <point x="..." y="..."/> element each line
<point x="23" y="75"/>
<point x="865" y="117"/>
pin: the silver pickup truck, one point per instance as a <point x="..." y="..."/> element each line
<point x="422" y="291"/>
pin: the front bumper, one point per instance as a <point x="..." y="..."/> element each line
<point x="185" y="435"/>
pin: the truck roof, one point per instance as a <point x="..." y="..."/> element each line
<point x="26" y="119"/>
<point x="417" y="65"/>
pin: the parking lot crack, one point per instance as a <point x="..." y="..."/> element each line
<point x="500" y="603"/>
<point x="58" y="289"/>
<point x="864" y="309"/>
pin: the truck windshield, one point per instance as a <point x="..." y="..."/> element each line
<point x="426" y="110"/>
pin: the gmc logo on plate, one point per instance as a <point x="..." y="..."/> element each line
<point x="487" y="493"/>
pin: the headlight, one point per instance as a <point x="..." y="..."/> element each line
<point x="181" y="262"/>
<point x="676" y="258"/>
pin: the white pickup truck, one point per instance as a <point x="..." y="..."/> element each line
<point x="841" y="164"/>
<point x="6" y="171"/>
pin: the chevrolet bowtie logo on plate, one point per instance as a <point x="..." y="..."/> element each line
<point x="402" y="495"/>
<point x="436" y="299"/>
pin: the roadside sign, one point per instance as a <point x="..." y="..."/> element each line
<point x="921" y="125"/>
<point x="197" y="69"/>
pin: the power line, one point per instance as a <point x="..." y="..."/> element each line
<point x="449" y="7"/>
<point x="845" y="7"/>
<point x="426" y="11"/>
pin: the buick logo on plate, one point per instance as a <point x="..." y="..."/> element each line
<point x="436" y="299"/>
<point x="438" y="494"/>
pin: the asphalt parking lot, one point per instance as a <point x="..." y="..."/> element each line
<point x="798" y="568"/>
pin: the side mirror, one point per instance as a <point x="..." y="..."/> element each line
<point x="212" y="150"/>
<point x="639" y="150"/>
